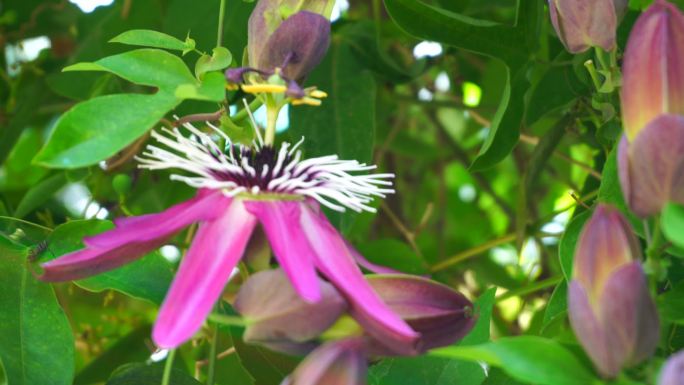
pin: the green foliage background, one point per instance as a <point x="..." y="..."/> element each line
<point x="491" y="194"/>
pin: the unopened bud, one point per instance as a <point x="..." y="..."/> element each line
<point x="582" y="24"/>
<point x="279" y="318"/>
<point x="341" y="362"/>
<point x="609" y="305"/>
<point x="672" y="372"/>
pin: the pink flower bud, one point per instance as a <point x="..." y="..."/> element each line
<point x="653" y="69"/>
<point x="609" y="305"/>
<point x="672" y="372"/>
<point x="341" y="362"/>
<point x="651" y="167"/>
<point x="582" y="24"/>
<point x="277" y="316"/>
<point x="440" y="314"/>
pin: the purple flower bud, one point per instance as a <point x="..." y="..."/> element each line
<point x="341" y="362"/>
<point x="582" y="24"/>
<point x="651" y="167"/>
<point x="653" y="69"/>
<point x="297" y="46"/>
<point x="441" y="315"/>
<point x="279" y="318"/>
<point x="609" y="305"/>
<point x="672" y="372"/>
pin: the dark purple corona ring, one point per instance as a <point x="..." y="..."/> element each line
<point x="264" y="170"/>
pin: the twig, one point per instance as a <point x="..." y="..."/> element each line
<point x="408" y="234"/>
<point x="537" y="286"/>
<point x="475" y="251"/>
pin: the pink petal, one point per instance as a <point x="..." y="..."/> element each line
<point x="205" y="270"/>
<point x="91" y="261"/>
<point x="630" y="315"/>
<point x="335" y="261"/>
<point x="590" y="331"/>
<point x="653" y="69"/>
<point x="655" y="165"/>
<point x="280" y="220"/>
<point x="147" y="227"/>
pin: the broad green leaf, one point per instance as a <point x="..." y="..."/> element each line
<point x="484" y="306"/>
<point x="36" y="342"/>
<point x="220" y="59"/>
<point x="147" y="278"/>
<point x="672" y="221"/>
<point x="211" y="89"/>
<point x="149" y="67"/>
<point x="17" y="172"/>
<point x="671" y="304"/>
<point x="265" y="366"/>
<point x="39" y="194"/>
<point x="30" y="94"/>
<point x="566" y="248"/>
<point x="141" y="374"/>
<point x="149" y="38"/>
<point x="557" y="305"/>
<point x="98" y="128"/>
<point x="345" y="123"/>
<point x="527" y="358"/>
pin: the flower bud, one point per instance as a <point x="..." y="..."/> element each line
<point x="609" y="305"/>
<point x="341" y="362"/>
<point x="279" y="318"/>
<point x="582" y="24"/>
<point x="441" y="315"/>
<point x="651" y="168"/>
<point x="653" y="69"/>
<point x="288" y="34"/>
<point x="672" y="372"/>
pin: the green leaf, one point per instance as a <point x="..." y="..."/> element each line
<point x="147" y="278"/>
<point x="566" y="248"/>
<point x="484" y="306"/>
<point x="558" y="304"/>
<point x="220" y="59"/>
<point x="39" y="194"/>
<point x="527" y="358"/>
<point x="265" y="366"/>
<point x="141" y="374"/>
<point x="671" y="304"/>
<point x="345" y="123"/>
<point x="211" y="89"/>
<point x="149" y="38"/>
<point x="672" y="221"/>
<point x="99" y="128"/>
<point x="36" y="342"/>
<point x="17" y="172"/>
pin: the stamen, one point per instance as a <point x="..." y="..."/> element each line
<point x="260" y="169"/>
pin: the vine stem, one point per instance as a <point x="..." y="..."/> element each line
<point x="222" y="11"/>
<point x="211" y="371"/>
<point x="272" y="113"/>
<point x="166" y="379"/>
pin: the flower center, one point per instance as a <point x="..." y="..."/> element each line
<point x="263" y="172"/>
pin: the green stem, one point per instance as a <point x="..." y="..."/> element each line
<point x="166" y="379"/>
<point x="541" y="285"/>
<point x="272" y="112"/>
<point x="243" y="114"/>
<point x="589" y="65"/>
<point x="475" y="251"/>
<point x="212" y="358"/>
<point x="222" y="11"/>
<point x="227" y="320"/>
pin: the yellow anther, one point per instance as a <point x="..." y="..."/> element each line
<point x="264" y="88"/>
<point x="232" y="87"/>
<point x="318" y="94"/>
<point x="308" y="101"/>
